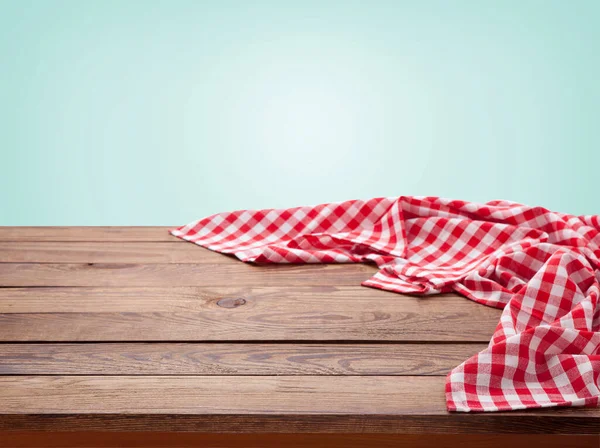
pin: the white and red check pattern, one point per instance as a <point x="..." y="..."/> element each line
<point x="541" y="267"/>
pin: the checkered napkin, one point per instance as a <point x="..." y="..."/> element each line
<point x="542" y="268"/>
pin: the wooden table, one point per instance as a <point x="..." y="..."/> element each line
<point x="127" y="336"/>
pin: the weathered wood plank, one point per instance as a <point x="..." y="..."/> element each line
<point x="221" y="395"/>
<point x="97" y="439"/>
<point x="232" y="359"/>
<point x="156" y="275"/>
<point x="146" y="299"/>
<point x="87" y="233"/>
<point x="109" y="252"/>
<point x="263" y="404"/>
<point x="239" y="314"/>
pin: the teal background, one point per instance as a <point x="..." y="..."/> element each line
<point x="161" y="112"/>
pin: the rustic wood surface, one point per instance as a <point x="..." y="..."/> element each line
<point x="130" y="329"/>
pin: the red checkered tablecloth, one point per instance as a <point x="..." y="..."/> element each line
<point x="541" y="267"/>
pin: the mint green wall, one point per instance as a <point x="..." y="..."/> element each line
<point x="160" y="112"/>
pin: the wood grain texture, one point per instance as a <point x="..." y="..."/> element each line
<point x="98" y="439"/>
<point x="87" y="233"/>
<point x="109" y="252"/>
<point x="221" y="395"/>
<point x="265" y="404"/>
<point x="232" y="359"/>
<point x="157" y="275"/>
<point x="551" y="421"/>
<point x="129" y="329"/>
<point x="239" y="314"/>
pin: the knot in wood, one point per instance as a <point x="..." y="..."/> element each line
<point x="231" y="302"/>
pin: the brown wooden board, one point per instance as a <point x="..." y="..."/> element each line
<point x="110" y="252"/>
<point x="19" y="439"/>
<point x="409" y="404"/>
<point x="232" y="359"/>
<point x="169" y="275"/>
<point x="85" y="233"/>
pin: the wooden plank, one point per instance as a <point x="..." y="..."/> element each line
<point x="20" y="439"/>
<point x="109" y="252"/>
<point x="411" y="404"/>
<point x="232" y="359"/>
<point x="156" y="275"/>
<point x="239" y="314"/>
<point x="553" y="421"/>
<point x="87" y="233"/>
<point x="221" y="395"/>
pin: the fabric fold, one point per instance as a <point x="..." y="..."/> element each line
<point x="541" y="267"/>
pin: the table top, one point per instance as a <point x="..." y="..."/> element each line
<point x="129" y="328"/>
